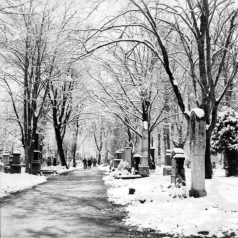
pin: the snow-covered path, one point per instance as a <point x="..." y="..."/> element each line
<point x="71" y="205"/>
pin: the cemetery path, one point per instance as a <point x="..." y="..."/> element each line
<point x="71" y="205"/>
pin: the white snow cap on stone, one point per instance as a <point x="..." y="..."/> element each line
<point x="178" y="150"/>
<point x="199" y="112"/>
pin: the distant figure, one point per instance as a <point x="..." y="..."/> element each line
<point x="85" y="164"/>
<point x="89" y="164"/>
<point x="214" y="165"/>
<point x="94" y="162"/>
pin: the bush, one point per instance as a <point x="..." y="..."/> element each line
<point x="123" y="165"/>
<point x="225" y="139"/>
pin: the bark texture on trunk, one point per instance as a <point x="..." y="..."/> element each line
<point x="60" y="147"/>
<point x="208" y="164"/>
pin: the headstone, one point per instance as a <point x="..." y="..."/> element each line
<point x="1" y="166"/>
<point x="197" y="152"/>
<point x="118" y="154"/>
<point x="167" y="160"/>
<point x="6" y="156"/>
<point x="159" y="160"/>
<point x="116" y="162"/>
<point x="145" y="141"/>
<point x="177" y="159"/>
<point x="128" y="158"/>
<point x="123" y="155"/>
<point x="136" y="160"/>
<point x="16" y="163"/>
<point x="144" y="171"/>
<point x="144" y="160"/>
<point x="36" y="163"/>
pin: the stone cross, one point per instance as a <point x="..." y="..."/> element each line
<point x="197" y="153"/>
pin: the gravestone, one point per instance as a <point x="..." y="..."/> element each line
<point x="167" y="160"/>
<point x="36" y="163"/>
<point x="128" y="158"/>
<point x="144" y="165"/>
<point x="16" y="163"/>
<point x="197" y="152"/>
<point x="123" y="155"/>
<point x="6" y="156"/>
<point x="177" y="170"/>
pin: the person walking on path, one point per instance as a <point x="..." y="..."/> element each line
<point x="85" y="164"/>
<point x="89" y="164"/>
<point x="94" y="162"/>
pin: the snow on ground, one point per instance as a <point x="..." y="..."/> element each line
<point x="10" y="183"/>
<point x="156" y="206"/>
<point x="62" y="169"/>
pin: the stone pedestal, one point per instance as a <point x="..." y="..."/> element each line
<point x="15" y="165"/>
<point x="145" y="141"/>
<point x="136" y="160"/>
<point x="197" y="153"/>
<point x="123" y="155"/>
<point x="159" y="161"/>
<point x="116" y="162"/>
<point x="16" y="157"/>
<point x="166" y="171"/>
<point x="5" y="159"/>
<point x="118" y="154"/>
<point x="177" y="160"/>
<point x="54" y="161"/>
<point x="36" y="164"/>
<point x="144" y="160"/>
<point x="128" y="158"/>
<point x="15" y="169"/>
<point x="167" y="160"/>
<point x="1" y="166"/>
<point x="144" y="171"/>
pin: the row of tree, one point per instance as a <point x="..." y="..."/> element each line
<point x="144" y="66"/>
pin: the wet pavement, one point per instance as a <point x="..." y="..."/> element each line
<point x="71" y="205"/>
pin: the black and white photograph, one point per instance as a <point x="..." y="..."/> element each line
<point x="118" y="118"/>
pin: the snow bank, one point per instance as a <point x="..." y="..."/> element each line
<point x="157" y="205"/>
<point x="103" y="167"/>
<point x="10" y="183"/>
<point x="61" y="169"/>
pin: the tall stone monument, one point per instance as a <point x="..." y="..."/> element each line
<point x="128" y="157"/>
<point x="197" y="152"/>
<point x="145" y="139"/>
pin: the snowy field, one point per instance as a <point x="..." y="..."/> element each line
<point x="156" y="206"/>
<point x="10" y="183"/>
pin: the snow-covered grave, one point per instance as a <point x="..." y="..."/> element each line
<point x="167" y="209"/>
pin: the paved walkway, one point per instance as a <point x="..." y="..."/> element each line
<point x="71" y="205"/>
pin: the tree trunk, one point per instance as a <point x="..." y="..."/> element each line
<point x="208" y="164"/>
<point x="74" y="146"/>
<point x="99" y="158"/>
<point x="73" y="152"/>
<point x="27" y="160"/>
<point x="60" y="147"/>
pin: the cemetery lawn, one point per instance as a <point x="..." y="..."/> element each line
<point x="157" y="206"/>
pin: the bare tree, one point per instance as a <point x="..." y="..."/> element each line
<point x="198" y="25"/>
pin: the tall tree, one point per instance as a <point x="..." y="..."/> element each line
<point x="198" y="25"/>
